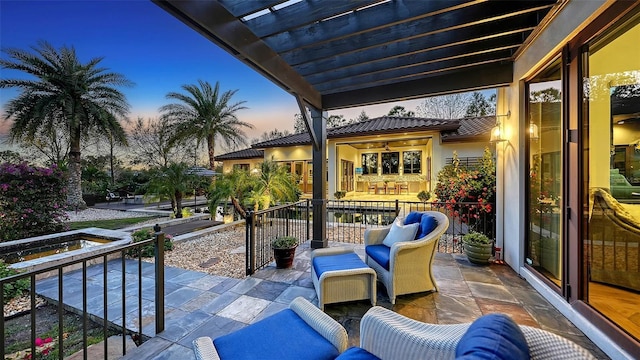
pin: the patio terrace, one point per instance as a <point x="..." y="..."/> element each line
<point x="197" y="304"/>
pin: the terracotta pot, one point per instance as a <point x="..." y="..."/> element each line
<point x="284" y="257"/>
<point x="478" y="254"/>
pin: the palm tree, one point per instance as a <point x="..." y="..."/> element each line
<point x="65" y="94"/>
<point x="172" y="182"/>
<point x="273" y="183"/>
<point x="205" y="114"/>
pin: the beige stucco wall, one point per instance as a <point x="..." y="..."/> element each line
<point x="227" y="165"/>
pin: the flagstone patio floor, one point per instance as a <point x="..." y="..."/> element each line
<point x="198" y="304"/>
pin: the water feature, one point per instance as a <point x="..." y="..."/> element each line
<point x="36" y="252"/>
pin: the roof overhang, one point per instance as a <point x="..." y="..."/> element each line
<point x="340" y="54"/>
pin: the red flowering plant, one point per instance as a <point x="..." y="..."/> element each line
<point x="32" y="201"/>
<point x="469" y="193"/>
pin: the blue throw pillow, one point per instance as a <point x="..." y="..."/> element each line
<point x="428" y="223"/>
<point x="493" y="336"/>
<point x="356" y="353"/>
<point x="413" y="217"/>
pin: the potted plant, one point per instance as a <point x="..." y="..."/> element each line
<point x="284" y="249"/>
<point x="424" y="196"/>
<point x="478" y="247"/>
<point x="339" y="194"/>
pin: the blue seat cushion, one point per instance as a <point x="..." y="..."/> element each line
<point x="413" y="217"/>
<point x="337" y="262"/>
<point x="271" y="338"/>
<point x="428" y="223"/>
<point x="356" y="353"/>
<point x="493" y="336"/>
<point x="379" y="253"/>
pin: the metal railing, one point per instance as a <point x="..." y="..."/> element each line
<point x="107" y="259"/>
<point x="347" y="220"/>
<point x="265" y="225"/>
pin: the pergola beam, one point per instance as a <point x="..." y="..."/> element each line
<point x="477" y="78"/>
<point x="242" y="8"/>
<point x="302" y="13"/>
<point x="412" y="73"/>
<point x="508" y="31"/>
<point x="440" y="22"/>
<point x="414" y="60"/>
<point x="308" y="122"/>
<point x="217" y="24"/>
<point x="395" y="12"/>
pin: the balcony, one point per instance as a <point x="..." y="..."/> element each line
<point x="197" y="304"/>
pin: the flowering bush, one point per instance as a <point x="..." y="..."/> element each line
<point x="32" y="201"/>
<point x="476" y="187"/>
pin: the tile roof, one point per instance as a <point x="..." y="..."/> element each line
<point x="242" y="154"/>
<point x="391" y="124"/>
<point x="471" y="128"/>
<point x="465" y="129"/>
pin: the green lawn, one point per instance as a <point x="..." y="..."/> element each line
<point x="108" y="224"/>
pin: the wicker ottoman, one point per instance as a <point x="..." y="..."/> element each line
<point x="339" y="275"/>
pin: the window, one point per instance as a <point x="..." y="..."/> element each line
<point x="390" y="162"/>
<point x="244" y="167"/>
<point x="370" y="164"/>
<point x="544" y="105"/>
<point x="412" y="161"/>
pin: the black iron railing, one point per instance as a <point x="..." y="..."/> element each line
<point x="265" y="225"/>
<point x="347" y="221"/>
<point x="107" y="260"/>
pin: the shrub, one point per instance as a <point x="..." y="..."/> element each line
<point x="339" y="194"/>
<point x="476" y="187"/>
<point x="147" y="250"/>
<point x="424" y="196"/>
<point x="13" y="289"/>
<point x="32" y="201"/>
<point x="284" y="242"/>
<point x="476" y="238"/>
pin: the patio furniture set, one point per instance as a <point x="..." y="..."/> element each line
<point x="401" y="257"/>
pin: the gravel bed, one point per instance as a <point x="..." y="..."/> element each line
<point x="220" y="253"/>
<point x="101" y="214"/>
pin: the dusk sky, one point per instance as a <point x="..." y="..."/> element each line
<point x="154" y="50"/>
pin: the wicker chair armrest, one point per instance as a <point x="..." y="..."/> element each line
<point x="375" y="236"/>
<point x="324" y="324"/>
<point x="204" y="349"/>
<point x="389" y="335"/>
<point x="546" y="345"/>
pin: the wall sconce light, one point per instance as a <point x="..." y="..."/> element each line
<point x="497" y="132"/>
<point x="497" y="135"/>
<point x="533" y="132"/>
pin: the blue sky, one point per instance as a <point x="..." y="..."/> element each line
<point x="151" y="48"/>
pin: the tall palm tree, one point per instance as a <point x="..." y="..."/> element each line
<point x="205" y="114"/>
<point x="65" y="94"/>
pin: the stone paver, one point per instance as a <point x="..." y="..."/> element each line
<point x="197" y="304"/>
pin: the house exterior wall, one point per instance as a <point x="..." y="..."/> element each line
<point x="511" y="162"/>
<point x="227" y="165"/>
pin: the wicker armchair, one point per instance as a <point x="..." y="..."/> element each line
<point x="389" y="335"/>
<point x="253" y="340"/>
<point x="409" y="261"/>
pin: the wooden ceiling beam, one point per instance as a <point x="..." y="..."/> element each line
<point x="214" y="22"/>
<point x="511" y="41"/>
<point x="442" y="22"/>
<point x="418" y="45"/>
<point x="369" y="19"/>
<point x="242" y="8"/>
<point x="408" y="73"/>
<point x="477" y="78"/>
<point x="300" y="14"/>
